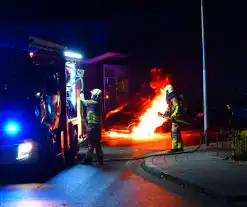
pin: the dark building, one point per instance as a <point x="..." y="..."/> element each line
<point x="110" y="72"/>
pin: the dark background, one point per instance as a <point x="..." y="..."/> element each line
<point x="158" y="34"/>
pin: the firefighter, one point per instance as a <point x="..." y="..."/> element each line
<point x="94" y="127"/>
<point x="173" y="113"/>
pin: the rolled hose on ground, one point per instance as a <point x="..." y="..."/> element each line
<point x="144" y="156"/>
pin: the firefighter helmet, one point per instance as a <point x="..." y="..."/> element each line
<point x="96" y="94"/>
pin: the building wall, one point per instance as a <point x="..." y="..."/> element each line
<point x="124" y="72"/>
<point x="91" y="78"/>
<point x="116" y="79"/>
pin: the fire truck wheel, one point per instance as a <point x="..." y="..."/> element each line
<point x="49" y="162"/>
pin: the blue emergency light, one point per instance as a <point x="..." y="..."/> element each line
<point x="12" y="128"/>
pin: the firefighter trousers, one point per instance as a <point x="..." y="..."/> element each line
<point x="93" y="138"/>
<point x="177" y="141"/>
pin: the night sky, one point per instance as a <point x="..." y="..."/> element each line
<point x="166" y="35"/>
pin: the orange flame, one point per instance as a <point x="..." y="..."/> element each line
<point x="120" y="108"/>
<point x="149" y="121"/>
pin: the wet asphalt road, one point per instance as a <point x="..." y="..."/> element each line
<point x="115" y="184"/>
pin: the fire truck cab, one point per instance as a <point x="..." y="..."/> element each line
<point x="40" y="110"/>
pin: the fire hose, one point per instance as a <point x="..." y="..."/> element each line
<point x="166" y="153"/>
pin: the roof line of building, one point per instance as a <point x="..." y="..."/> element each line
<point x="104" y="56"/>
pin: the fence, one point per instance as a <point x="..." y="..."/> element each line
<point x="236" y="140"/>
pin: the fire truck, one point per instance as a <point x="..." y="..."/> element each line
<point x="40" y="110"/>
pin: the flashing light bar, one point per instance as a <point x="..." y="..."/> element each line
<point x="44" y="43"/>
<point x="12" y="128"/>
<point x="73" y="55"/>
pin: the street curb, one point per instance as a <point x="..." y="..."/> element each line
<point x="149" y="167"/>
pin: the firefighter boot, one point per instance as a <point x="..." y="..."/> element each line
<point x="87" y="161"/>
<point x="101" y="160"/>
<point x="173" y="151"/>
<point x="177" y="144"/>
<point x="180" y="142"/>
<point x="174" y="143"/>
<point x="180" y="147"/>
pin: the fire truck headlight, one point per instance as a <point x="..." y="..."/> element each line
<point x="24" y="150"/>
